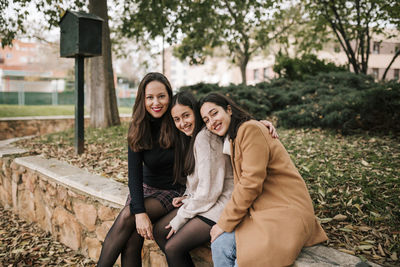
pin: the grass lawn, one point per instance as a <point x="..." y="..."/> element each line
<point x="36" y="110"/>
<point x="354" y="180"/>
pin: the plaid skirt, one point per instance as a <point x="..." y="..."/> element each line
<point x="163" y="195"/>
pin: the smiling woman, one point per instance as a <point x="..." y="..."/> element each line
<point x="184" y="118"/>
<point x="199" y="156"/>
<point x="270" y="216"/>
<point x="157" y="99"/>
<point x="150" y="173"/>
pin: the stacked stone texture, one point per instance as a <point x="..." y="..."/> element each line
<point x="74" y="218"/>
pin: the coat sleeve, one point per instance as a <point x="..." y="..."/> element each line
<point x="210" y="173"/>
<point x="252" y="157"/>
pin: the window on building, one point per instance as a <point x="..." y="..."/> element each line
<point x="375" y="73"/>
<point x="1" y="59"/>
<point x="337" y="48"/>
<point x="396" y="48"/>
<point x="375" y="48"/>
<point x="396" y="75"/>
<point x="8" y="55"/>
<point x="255" y="72"/>
<point x="265" y="73"/>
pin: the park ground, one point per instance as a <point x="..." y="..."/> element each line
<point x="353" y="180"/>
<point x="25" y="244"/>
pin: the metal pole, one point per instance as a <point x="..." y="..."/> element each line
<point x="79" y="101"/>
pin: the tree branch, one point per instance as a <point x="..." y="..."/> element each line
<point x="390" y="64"/>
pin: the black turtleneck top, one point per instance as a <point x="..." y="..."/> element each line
<point x="153" y="167"/>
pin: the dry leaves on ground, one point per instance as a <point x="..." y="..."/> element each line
<point x="353" y="180"/>
<point x="25" y="244"/>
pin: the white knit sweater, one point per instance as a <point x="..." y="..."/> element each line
<point x="210" y="186"/>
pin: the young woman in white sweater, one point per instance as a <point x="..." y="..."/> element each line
<point x="200" y="156"/>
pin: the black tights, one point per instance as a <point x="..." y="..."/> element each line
<point x="123" y="238"/>
<point x="176" y="249"/>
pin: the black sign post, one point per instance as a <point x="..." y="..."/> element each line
<point x="79" y="105"/>
<point x="80" y="37"/>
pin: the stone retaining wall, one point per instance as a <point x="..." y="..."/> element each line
<point x="78" y="208"/>
<point x="24" y="126"/>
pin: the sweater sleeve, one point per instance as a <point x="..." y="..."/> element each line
<point x="135" y="181"/>
<point x="210" y="173"/>
<point x="251" y="142"/>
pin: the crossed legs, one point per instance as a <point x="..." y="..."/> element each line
<point x="176" y="249"/>
<point x="123" y="238"/>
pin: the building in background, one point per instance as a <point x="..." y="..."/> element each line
<point x="33" y="67"/>
<point x="260" y="68"/>
<point x="382" y="52"/>
<point x="33" y="73"/>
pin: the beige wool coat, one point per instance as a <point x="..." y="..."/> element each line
<point x="270" y="209"/>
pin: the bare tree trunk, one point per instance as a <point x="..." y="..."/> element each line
<point x="103" y="101"/>
<point x="243" y="72"/>
<point x="243" y="60"/>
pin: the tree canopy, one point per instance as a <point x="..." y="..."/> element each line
<point x="243" y="28"/>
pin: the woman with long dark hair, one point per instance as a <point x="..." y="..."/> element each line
<point x="152" y="185"/>
<point x="200" y="156"/>
<point x="209" y="184"/>
<point x="270" y="216"/>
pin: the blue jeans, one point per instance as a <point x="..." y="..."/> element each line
<point x="223" y="250"/>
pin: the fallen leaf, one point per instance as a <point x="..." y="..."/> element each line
<point x="347" y="251"/>
<point x="363" y="162"/>
<point x="365" y="247"/>
<point x="381" y="250"/>
<point x="394" y="256"/>
<point x="340" y="217"/>
<point x="325" y="220"/>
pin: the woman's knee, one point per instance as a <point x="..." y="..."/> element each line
<point x="126" y="218"/>
<point x="224" y="244"/>
<point x="172" y="249"/>
<point x="158" y="232"/>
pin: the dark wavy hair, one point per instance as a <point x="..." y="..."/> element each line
<point x="239" y="115"/>
<point x="139" y="133"/>
<point x="184" y="157"/>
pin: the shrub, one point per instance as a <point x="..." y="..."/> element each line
<point x="344" y="101"/>
<point x="299" y="68"/>
<point x="338" y="100"/>
<point x="250" y="98"/>
<point x="380" y="107"/>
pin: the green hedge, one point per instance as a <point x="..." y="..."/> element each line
<point x="336" y="100"/>
<point x="299" y="68"/>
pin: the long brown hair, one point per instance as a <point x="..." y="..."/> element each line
<point x="184" y="162"/>
<point x="139" y="133"/>
<point x="239" y="115"/>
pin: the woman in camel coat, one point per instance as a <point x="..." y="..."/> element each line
<point x="270" y="216"/>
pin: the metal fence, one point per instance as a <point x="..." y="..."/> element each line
<point x="52" y="98"/>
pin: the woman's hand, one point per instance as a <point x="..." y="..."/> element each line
<point x="271" y="128"/>
<point x="170" y="232"/>
<point x="215" y="232"/>
<point x="177" y="201"/>
<point x="144" y="227"/>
